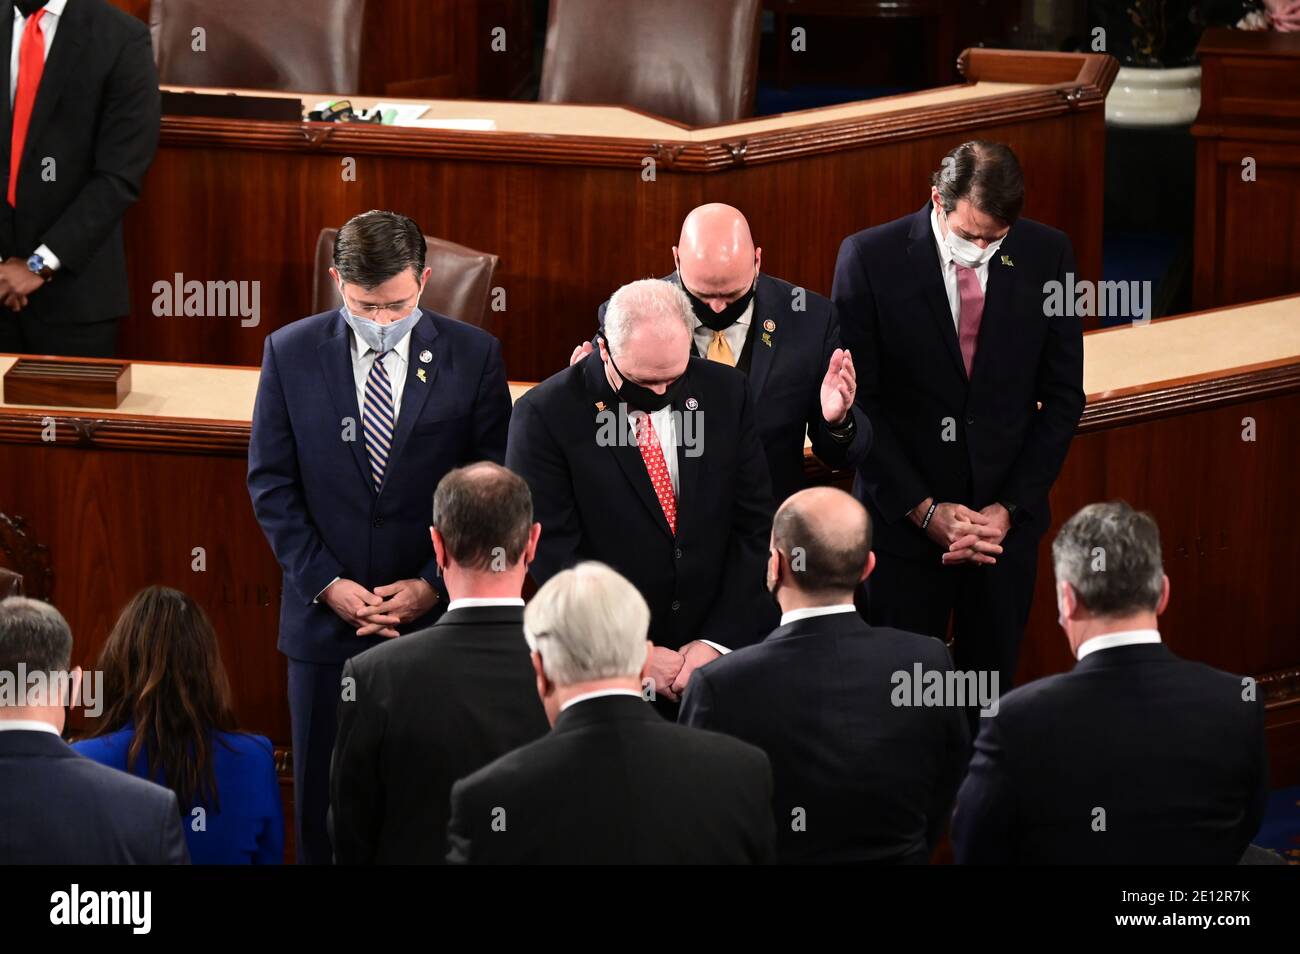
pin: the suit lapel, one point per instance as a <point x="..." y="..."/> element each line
<point x="335" y="354"/>
<point x="65" y="53"/>
<point x="761" y="355"/>
<point x="925" y="266"/>
<point x="623" y="447"/>
<point x="690" y="459"/>
<point x="416" y="392"/>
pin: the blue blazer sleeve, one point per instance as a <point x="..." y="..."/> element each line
<point x="270" y="842"/>
<point x="275" y="486"/>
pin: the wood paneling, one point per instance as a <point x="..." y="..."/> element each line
<point x="572" y="217"/>
<point x="1247" y="245"/>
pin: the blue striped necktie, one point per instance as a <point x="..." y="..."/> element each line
<point x="377" y="419"/>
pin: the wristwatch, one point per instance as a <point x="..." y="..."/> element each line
<point x="36" y="264"/>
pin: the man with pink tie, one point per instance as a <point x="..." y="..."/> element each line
<point x="973" y="393"/>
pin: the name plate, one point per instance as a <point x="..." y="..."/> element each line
<point x="68" y="382"/>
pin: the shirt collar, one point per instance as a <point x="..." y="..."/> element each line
<point x="945" y="253"/>
<point x="810" y="611"/>
<point x="598" y="694"/>
<point x="1129" y="637"/>
<point x="469" y="602"/>
<point x="27" y="725"/>
<point x="53" y="8"/>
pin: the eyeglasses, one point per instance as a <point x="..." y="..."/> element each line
<point x="398" y="309"/>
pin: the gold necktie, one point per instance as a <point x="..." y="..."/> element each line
<point x="720" y="350"/>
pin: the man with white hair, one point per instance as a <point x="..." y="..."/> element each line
<point x="1134" y="756"/>
<point x="613" y="783"/>
<point x="648" y="459"/>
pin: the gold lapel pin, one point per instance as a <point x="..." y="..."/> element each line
<point x="600" y="405"/>
<point x="1006" y="260"/>
<point x="419" y="373"/>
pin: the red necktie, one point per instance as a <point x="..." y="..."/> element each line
<point x="972" y="312"/>
<point x="31" y="64"/>
<point x="652" y="453"/>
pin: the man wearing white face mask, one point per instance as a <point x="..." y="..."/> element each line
<point x="360" y="412"/>
<point x="973" y="396"/>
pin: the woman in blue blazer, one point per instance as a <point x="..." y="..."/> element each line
<point x="168" y="718"/>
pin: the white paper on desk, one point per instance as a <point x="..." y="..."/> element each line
<point x="475" y="124"/>
<point x="402" y="112"/>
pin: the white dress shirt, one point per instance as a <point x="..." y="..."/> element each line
<point x="1129" y="637"/>
<point x="949" y="269"/>
<point x="395" y="362"/>
<point x="734" y="333"/>
<point x="598" y="694"/>
<point x="26" y="725"/>
<point x="810" y="611"/>
<point x="469" y="602"/>
<point x="49" y="24"/>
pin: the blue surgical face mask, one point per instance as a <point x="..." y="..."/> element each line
<point x="381" y="338"/>
<point x="966" y="252"/>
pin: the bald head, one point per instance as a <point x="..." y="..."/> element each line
<point x="716" y="257"/>
<point x="824" y="538"/>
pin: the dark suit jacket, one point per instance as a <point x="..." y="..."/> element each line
<point x="614" y="783"/>
<point x="889" y="293"/>
<point x="97" y="116"/>
<point x="785" y="378"/>
<point x="874" y="781"/>
<point x="311" y="488"/>
<point x="59" y="808"/>
<point x="1165" y="747"/>
<point x="425" y="710"/>
<point x="597" y="503"/>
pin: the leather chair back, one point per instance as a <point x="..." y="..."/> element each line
<point x="694" y="61"/>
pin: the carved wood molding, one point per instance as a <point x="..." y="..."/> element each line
<point x="1072" y="82"/>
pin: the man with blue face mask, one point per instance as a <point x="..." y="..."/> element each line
<point x="360" y="412"/>
<point x="973" y="394"/>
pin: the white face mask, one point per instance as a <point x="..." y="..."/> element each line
<point x="966" y="252"/>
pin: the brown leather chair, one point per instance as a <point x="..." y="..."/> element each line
<point x="458" y="286"/>
<point x="253" y="44"/>
<point x="695" y="61"/>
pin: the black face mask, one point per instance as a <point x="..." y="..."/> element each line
<point x="642" y="398"/>
<point x="718" y="320"/>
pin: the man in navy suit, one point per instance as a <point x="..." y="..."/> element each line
<point x="974" y="395"/>
<point x="785" y="339"/>
<point x="647" y="459"/>
<point x="58" y="807"/>
<point x="359" y="414"/>
<point x="1134" y="756"/>
<point x="857" y="777"/>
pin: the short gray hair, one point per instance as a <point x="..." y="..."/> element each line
<point x="1109" y="553"/>
<point x="588" y="623"/>
<point x="650" y="300"/>
<point x="35" y="634"/>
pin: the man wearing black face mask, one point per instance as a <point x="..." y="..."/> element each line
<point x="785" y="339"/>
<point x="648" y="459"/>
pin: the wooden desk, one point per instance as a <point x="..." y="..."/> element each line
<point x="1246" y="241"/>
<point x="119" y="500"/>
<point x="557" y="191"/>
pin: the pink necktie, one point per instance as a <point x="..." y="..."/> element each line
<point x="972" y="312"/>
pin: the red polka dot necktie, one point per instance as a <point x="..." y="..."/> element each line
<point x="652" y="453"/>
<point x="31" y="64"/>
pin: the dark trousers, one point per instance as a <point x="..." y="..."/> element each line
<point x="314" y="690"/>
<point x="988" y="606"/>
<point x="20" y="333"/>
